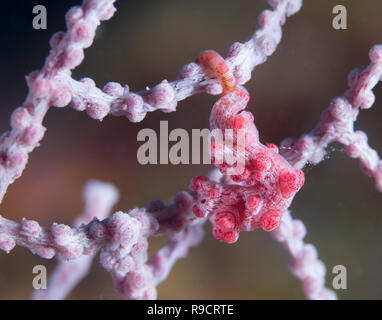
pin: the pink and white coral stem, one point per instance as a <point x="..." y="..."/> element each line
<point x="193" y="78"/>
<point x="99" y="199"/>
<point x="304" y="264"/>
<point x="125" y="257"/>
<point x="337" y="124"/>
<point x="122" y="239"/>
<point x="47" y="89"/>
<point x="257" y="197"/>
<point x="53" y="85"/>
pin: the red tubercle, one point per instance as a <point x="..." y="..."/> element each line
<point x="198" y="182"/>
<point x="239" y="122"/>
<point x="229" y="236"/>
<point x="250" y="181"/>
<point x="253" y="202"/>
<point x="259" y="175"/>
<point x="214" y="193"/>
<point x="236" y="178"/>
<point x="241" y="177"/>
<point x="291" y="182"/>
<point x="273" y="147"/>
<point x="223" y="167"/>
<point x="270" y="220"/>
<point x="225" y="220"/>
<point x="261" y="162"/>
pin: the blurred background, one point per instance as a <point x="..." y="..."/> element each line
<point x="148" y="41"/>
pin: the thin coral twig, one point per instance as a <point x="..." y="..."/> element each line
<point x="304" y="264"/>
<point x="337" y="124"/>
<point x="53" y="85"/>
<point x="122" y="238"/>
<point x="99" y="199"/>
<point x="241" y="59"/>
<point x="46" y="89"/>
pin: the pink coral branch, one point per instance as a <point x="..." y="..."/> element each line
<point x="337" y="124"/>
<point x="53" y="85"/>
<point x="193" y="78"/>
<point x="125" y="257"/>
<point x="46" y="89"/>
<point x="258" y="197"/>
<point x="304" y="264"/>
<point x="122" y="239"/>
<point x="99" y="199"/>
<point x="189" y="235"/>
<point x="70" y="243"/>
<point x="176" y="248"/>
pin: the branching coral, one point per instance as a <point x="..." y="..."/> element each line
<point x="258" y="196"/>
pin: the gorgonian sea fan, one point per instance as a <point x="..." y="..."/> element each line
<point x="256" y="197"/>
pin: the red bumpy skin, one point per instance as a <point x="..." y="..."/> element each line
<point x="258" y="196"/>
